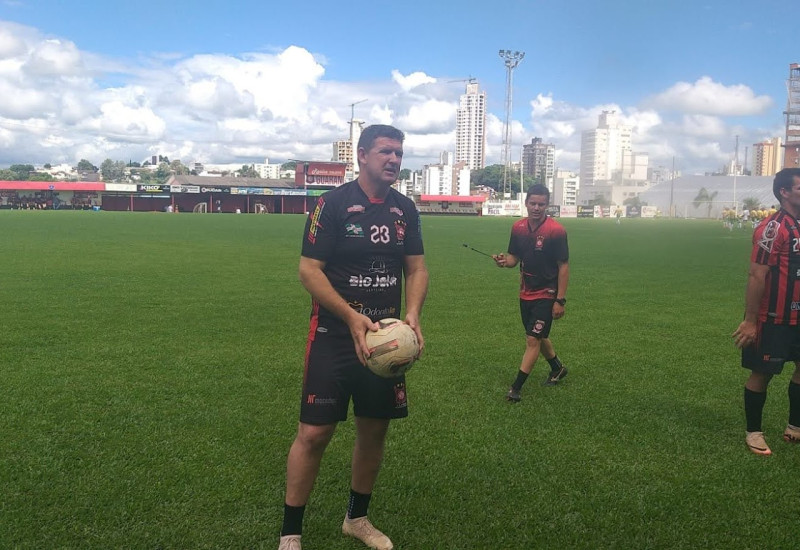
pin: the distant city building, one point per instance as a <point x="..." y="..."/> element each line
<point x="767" y="157"/>
<point x="344" y="150"/>
<point x="538" y="160"/>
<point x="471" y="128"/>
<point x="791" y="156"/>
<point x="411" y="186"/>
<point x="446" y="178"/>
<point x="566" y="185"/>
<point x="603" y="149"/>
<point x="267" y="170"/>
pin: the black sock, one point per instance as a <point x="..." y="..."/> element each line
<point x="521" y="377"/>
<point x="293" y="520"/>
<point x="753" y="407"/>
<point x="555" y="364"/>
<point x="357" y="505"/>
<point x="794" y="404"/>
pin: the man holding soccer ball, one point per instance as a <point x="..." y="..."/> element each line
<point x="769" y="335"/>
<point x="360" y="242"/>
<point x="538" y="245"/>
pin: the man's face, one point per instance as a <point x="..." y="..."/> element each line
<point x="537" y="207"/>
<point x="382" y="162"/>
<point x="792" y="195"/>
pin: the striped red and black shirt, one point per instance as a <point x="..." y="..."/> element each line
<point x="776" y="243"/>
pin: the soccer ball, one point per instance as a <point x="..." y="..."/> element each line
<point x="393" y="348"/>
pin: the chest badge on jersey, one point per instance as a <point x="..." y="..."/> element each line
<point x="539" y="242"/>
<point x="354" y="230"/>
<point x="400" y="230"/>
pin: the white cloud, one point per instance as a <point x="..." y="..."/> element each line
<point x="711" y="98"/>
<point x="411" y="81"/>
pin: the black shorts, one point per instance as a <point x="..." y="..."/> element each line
<point x="333" y="376"/>
<point x="537" y="316"/>
<point x="775" y="345"/>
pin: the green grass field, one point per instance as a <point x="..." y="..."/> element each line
<point x="151" y="369"/>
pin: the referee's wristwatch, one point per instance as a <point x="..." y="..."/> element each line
<point x="561" y="301"/>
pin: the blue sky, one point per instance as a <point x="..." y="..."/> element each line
<point x="235" y="82"/>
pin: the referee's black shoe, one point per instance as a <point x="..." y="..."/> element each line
<point x="513" y="395"/>
<point x="555" y="377"/>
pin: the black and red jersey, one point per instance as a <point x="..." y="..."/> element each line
<point x="539" y="247"/>
<point x="776" y="243"/>
<point x="363" y="244"/>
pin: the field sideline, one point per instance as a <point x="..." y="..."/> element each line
<point x="151" y="368"/>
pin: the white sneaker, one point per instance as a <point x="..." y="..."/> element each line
<point x="757" y="444"/>
<point x="290" y="542"/>
<point x="363" y="530"/>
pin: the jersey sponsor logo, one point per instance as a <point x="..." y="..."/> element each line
<point x="378" y="281"/>
<point x="768" y="235"/>
<point x="381" y="312"/>
<point x="795" y="306"/>
<point x="354" y="230"/>
<point x="396" y="210"/>
<point x="378" y="266"/>
<point x="400" y="397"/>
<point x="314" y="225"/>
<point x="400" y="230"/>
<point x="356" y="208"/>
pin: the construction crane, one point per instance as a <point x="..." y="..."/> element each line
<point x="353" y="109"/>
<point x="471" y="80"/>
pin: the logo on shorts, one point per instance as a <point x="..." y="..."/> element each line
<point x="538" y="326"/>
<point x="400" y="400"/>
<point x="312" y="399"/>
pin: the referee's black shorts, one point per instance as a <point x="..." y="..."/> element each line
<point x="537" y="316"/>
<point x="774" y="346"/>
<point x="333" y="375"/>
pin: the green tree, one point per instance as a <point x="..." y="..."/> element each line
<point x="112" y="170"/>
<point x="751" y="203"/>
<point x="48" y="166"/>
<point x="633" y="201"/>
<point x="86" y="166"/>
<point x="248" y="171"/>
<point x="291" y="165"/>
<point x="405" y="174"/>
<point x="178" y="168"/>
<point x="162" y="173"/>
<point x="704" y="197"/>
<point x="39" y="176"/>
<point x="22" y="170"/>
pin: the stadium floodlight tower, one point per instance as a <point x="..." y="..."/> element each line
<point x="511" y="60"/>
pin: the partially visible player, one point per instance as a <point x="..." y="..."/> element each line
<point x="360" y="242"/>
<point x="538" y="244"/>
<point x="769" y="334"/>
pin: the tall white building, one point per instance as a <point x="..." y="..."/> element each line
<point x="603" y="150"/>
<point x="471" y="128"/>
<point x="446" y="178"/>
<point x="267" y="170"/>
<point x="566" y="186"/>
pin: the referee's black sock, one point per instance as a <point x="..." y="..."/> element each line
<point x="357" y="505"/>
<point x="794" y="404"/>
<point x="292" y="520"/>
<point x="554" y="363"/>
<point x="753" y="407"/>
<point x="521" y="377"/>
